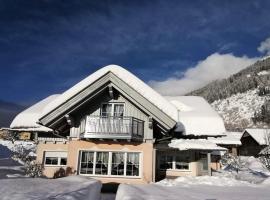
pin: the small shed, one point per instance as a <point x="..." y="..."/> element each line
<point x="253" y="141"/>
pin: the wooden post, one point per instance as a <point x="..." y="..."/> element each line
<point x="209" y="163"/>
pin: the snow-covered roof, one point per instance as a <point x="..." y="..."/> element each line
<point x="230" y="138"/>
<point x="261" y="136"/>
<point x="265" y="151"/>
<point x="27" y="119"/>
<point x="130" y="79"/>
<point x="197" y="116"/>
<point x="195" y="144"/>
<point x="193" y="113"/>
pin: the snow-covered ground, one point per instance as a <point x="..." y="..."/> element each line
<point x="10" y="168"/>
<point x="71" y="188"/>
<point x="194" y="192"/>
<point x="251" y="182"/>
<point x="16" y="145"/>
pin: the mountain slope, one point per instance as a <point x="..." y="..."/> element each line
<point x="8" y="111"/>
<point x="238" y="110"/>
<point x="254" y="76"/>
<point x="243" y="99"/>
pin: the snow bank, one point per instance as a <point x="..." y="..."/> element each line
<point x="195" y="188"/>
<point x="71" y="188"/>
<point x="194" y="144"/>
<point x="196" y="192"/>
<point x="251" y="170"/>
<point x="202" y="180"/>
<point x="197" y="116"/>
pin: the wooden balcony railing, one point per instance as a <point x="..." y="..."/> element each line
<point x="113" y="127"/>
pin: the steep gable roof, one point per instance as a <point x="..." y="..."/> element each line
<point x="123" y="75"/>
<point x="259" y="135"/>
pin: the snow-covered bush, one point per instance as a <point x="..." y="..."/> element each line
<point x="25" y="156"/>
<point x="229" y="161"/>
<point x="33" y="169"/>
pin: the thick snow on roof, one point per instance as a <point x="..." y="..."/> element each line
<point x="27" y="119"/>
<point x="194" y="144"/>
<point x="230" y="138"/>
<point x="197" y="116"/>
<point x="125" y="76"/>
<point x="260" y="135"/>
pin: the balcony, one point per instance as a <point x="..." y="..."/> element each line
<point x="113" y="128"/>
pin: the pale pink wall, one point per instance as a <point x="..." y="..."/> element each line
<point x="73" y="148"/>
<point x="41" y="148"/>
<point x="145" y="148"/>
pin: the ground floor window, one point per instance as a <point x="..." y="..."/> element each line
<point x="55" y="158"/>
<point x="174" y="160"/>
<point x="110" y="163"/>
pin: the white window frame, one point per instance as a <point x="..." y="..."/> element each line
<point x="55" y="154"/>
<point x="113" y="104"/>
<point x="110" y="163"/>
<point x="173" y="154"/>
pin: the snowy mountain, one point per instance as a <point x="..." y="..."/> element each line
<point x="8" y="111"/>
<point x="243" y="99"/>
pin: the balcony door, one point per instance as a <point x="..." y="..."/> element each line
<point x="112" y="117"/>
<point x="112" y="110"/>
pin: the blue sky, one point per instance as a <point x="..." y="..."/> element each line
<point x="46" y="46"/>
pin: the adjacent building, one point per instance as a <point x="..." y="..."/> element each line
<point x="253" y="141"/>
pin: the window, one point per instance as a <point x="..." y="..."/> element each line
<point x="87" y="160"/>
<point x="102" y="161"/>
<point x="112" y="109"/>
<point x="133" y="163"/>
<point x="166" y="162"/>
<point x="110" y="163"/>
<point x="55" y="158"/>
<point x="118" y="163"/>
<point x="174" y="160"/>
<point x="181" y="162"/>
<point x="51" y="161"/>
<point x="203" y="161"/>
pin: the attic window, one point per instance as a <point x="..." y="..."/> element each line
<point x="112" y="109"/>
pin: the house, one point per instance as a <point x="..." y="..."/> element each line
<point x="253" y="141"/>
<point x="114" y="127"/>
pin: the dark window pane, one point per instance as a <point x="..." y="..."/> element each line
<point x="106" y="110"/>
<point x="133" y="164"/>
<point x="51" y="161"/>
<point x="118" y="110"/>
<point x="63" y="161"/>
<point x="102" y="160"/>
<point x="118" y="163"/>
<point x="87" y="160"/>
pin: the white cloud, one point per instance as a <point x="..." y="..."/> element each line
<point x="265" y="46"/>
<point x="215" y="66"/>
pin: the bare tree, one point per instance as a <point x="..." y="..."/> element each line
<point x="264" y="155"/>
